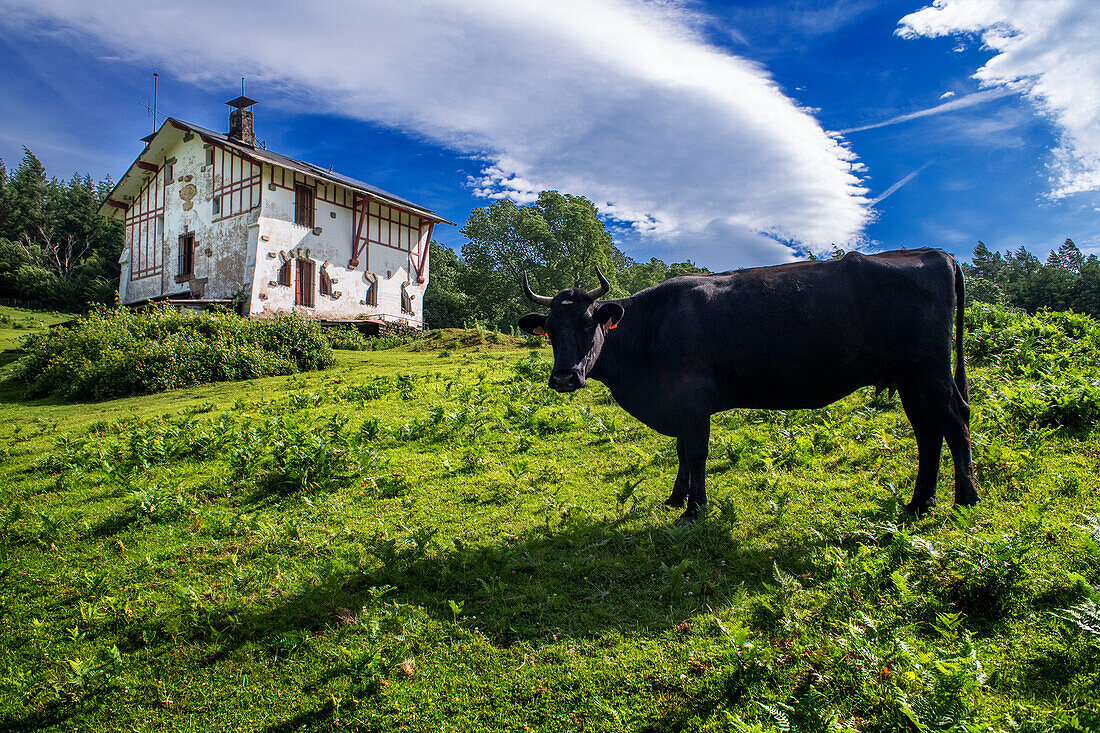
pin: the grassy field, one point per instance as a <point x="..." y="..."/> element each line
<point x="427" y="538"/>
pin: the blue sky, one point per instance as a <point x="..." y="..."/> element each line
<point x="734" y="134"/>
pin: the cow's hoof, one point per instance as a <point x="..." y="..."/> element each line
<point x="675" y="502"/>
<point x="688" y="517"/>
<point x="968" y="499"/>
<point x="919" y="507"/>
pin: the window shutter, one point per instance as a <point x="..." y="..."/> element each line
<point x="304" y="284"/>
<point x="311" y="285"/>
<point x="303" y="205"/>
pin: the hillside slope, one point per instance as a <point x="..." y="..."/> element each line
<point x="433" y="540"/>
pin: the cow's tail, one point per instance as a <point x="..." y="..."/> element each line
<point x="960" y="359"/>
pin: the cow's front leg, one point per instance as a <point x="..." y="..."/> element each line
<point x="680" y="487"/>
<point x="696" y="446"/>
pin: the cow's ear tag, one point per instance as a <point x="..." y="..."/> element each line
<point x="610" y="325"/>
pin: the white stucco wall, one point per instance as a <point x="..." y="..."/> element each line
<point x="221" y="247"/>
<point x="280" y="238"/>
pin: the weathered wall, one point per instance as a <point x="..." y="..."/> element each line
<point x="280" y="238"/>
<point x="221" y="246"/>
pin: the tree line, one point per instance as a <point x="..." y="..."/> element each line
<point x="559" y="239"/>
<point x="56" y="251"/>
<point x="1066" y="281"/>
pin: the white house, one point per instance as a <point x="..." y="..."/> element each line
<point x="211" y="216"/>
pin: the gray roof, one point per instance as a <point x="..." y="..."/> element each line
<point x="261" y="155"/>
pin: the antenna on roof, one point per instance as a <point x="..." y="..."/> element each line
<point x="155" y="77"/>
<point x="153" y="109"/>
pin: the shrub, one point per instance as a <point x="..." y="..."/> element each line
<point x="1042" y="368"/>
<point x="348" y="338"/>
<point x="117" y="352"/>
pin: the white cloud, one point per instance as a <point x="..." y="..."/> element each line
<point x="622" y="101"/>
<point x="947" y="95"/>
<point x="1050" y="51"/>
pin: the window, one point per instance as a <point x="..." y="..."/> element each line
<point x="210" y="155"/>
<point x="303" y="205"/>
<point x="187" y="254"/>
<point x="326" y="283"/>
<point x="284" y="273"/>
<point x="303" y="286"/>
<point x="169" y="171"/>
<point x="217" y="205"/>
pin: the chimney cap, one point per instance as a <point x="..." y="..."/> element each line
<point x="241" y="102"/>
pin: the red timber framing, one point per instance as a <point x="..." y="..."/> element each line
<point x="235" y="180"/>
<point x="142" y="230"/>
<point x="375" y="222"/>
<point x="418" y="259"/>
<point x="359" y="244"/>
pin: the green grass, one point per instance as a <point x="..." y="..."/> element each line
<point x="17" y="323"/>
<point x="427" y="538"/>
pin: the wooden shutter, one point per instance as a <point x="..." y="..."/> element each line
<point x="326" y="283"/>
<point x="303" y="205"/>
<point x="303" y="287"/>
<point x="284" y="273"/>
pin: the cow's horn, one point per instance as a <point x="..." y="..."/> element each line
<point x="540" y="299"/>
<point x="604" y="286"/>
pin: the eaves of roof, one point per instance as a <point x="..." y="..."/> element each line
<point x="158" y="143"/>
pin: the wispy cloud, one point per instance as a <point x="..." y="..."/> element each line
<point x="623" y="101"/>
<point x="968" y="100"/>
<point x="904" y="180"/>
<point x="1049" y="51"/>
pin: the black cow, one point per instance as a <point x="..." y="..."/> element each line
<point x="793" y="336"/>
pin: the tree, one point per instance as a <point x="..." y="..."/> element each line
<point x="54" y="246"/>
<point x="559" y="240"/>
<point x="1068" y="257"/>
<point x="986" y="264"/>
<point x="445" y="305"/>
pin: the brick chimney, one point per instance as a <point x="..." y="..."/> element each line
<point x="240" y="121"/>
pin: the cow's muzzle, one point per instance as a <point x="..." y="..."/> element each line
<point x="566" y="382"/>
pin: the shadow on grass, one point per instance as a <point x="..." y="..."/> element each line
<point x="582" y="579"/>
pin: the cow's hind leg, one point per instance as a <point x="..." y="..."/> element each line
<point x="926" y="415"/>
<point x="680" y="487"/>
<point x="696" y="443"/>
<point x="958" y="441"/>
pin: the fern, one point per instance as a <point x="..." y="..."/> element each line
<point x="782" y="722"/>
<point x="1085" y="616"/>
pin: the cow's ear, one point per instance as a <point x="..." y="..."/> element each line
<point x="608" y="315"/>
<point x="533" y="323"/>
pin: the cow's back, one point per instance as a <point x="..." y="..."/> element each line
<point x="803" y="334"/>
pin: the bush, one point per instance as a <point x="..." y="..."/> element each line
<point x="1042" y="368"/>
<point x="349" y="338"/>
<point x="118" y="352"/>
